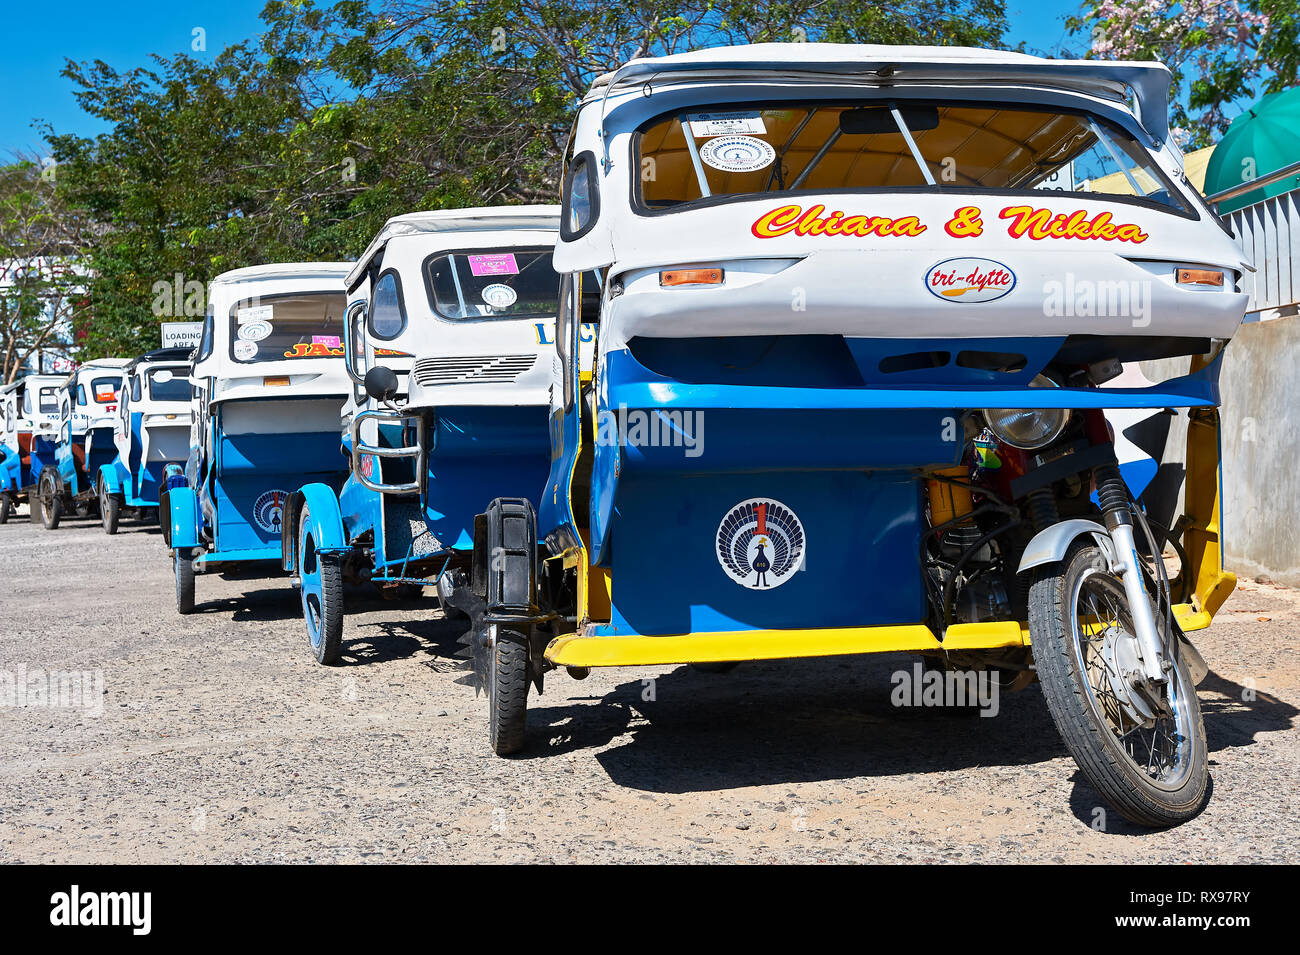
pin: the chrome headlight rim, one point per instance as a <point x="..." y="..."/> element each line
<point x="992" y="420"/>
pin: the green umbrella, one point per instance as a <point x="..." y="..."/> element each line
<point x="1261" y="140"/>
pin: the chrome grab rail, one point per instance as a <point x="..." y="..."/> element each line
<point x="414" y="452"/>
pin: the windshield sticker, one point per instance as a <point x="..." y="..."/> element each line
<point x="331" y="341"/>
<point x="499" y="296"/>
<point x="314" y="350"/>
<point x="496" y="263"/>
<point x="724" y="124"/>
<point x="793" y="219"/>
<point x="105" y="392"/>
<point x="245" y="350"/>
<point x="162" y="377"/>
<point x="737" y="154"/>
<point x="254" y="331"/>
<point x="255" y="313"/>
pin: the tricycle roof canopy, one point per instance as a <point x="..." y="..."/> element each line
<point x="1149" y="81"/>
<point x="476" y="219"/>
<point x="283" y="270"/>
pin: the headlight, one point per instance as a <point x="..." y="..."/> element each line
<point x="1027" y="429"/>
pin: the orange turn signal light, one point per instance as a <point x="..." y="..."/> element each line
<point x="1200" y="277"/>
<point x="690" y="277"/>
<point x="281" y="381"/>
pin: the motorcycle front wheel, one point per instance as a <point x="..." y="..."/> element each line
<point x="1145" y="753"/>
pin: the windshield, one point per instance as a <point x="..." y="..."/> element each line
<point x="791" y="147"/>
<point x="104" y="390"/>
<point x="168" y="384"/>
<point x="301" y="325"/>
<point x="493" y="284"/>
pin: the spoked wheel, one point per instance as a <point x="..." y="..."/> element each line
<point x="183" y="566"/>
<point x="322" y="596"/>
<point x="1142" y="747"/>
<point x="6" y="507"/>
<point x="507" y="686"/>
<point x="51" y="502"/>
<point x="110" y="509"/>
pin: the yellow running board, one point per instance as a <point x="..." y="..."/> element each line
<point x="725" y="646"/>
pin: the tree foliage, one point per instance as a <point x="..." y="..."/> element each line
<point x="41" y="292"/>
<point x="1221" y="52"/>
<point x="300" y="144"/>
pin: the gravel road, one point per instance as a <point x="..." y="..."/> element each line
<point x="216" y="738"/>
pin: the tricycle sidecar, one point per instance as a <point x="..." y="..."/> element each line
<point x="448" y="332"/>
<point x="29" y="427"/>
<point x="152" y="431"/>
<point x="88" y="401"/>
<point x="269" y="382"/>
<point x="864" y="310"/>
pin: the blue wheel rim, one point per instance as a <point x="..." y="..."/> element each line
<point x="309" y="572"/>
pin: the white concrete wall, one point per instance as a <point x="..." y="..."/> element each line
<point x="1260" y="437"/>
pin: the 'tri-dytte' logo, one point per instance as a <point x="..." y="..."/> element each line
<point x="760" y="543"/>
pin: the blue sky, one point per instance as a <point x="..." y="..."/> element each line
<point x="40" y="40"/>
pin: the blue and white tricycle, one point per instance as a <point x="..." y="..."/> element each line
<point x="269" y="383"/>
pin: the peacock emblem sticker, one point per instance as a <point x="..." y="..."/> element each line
<point x="268" y="510"/>
<point x="760" y="543"/>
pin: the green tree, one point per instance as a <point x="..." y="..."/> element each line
<point x="299" y="145"/>
<point x="1221" y="52"/>
<point x="41" y="289"/>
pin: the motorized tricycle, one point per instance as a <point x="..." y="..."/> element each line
<point x="88" y="400"/>
<point x="152" y="430"/>
<point x="449" y="324"/>
<point x="269" y="382"/>
<point x="29" y="427"/>
<point x="863" y="311"/>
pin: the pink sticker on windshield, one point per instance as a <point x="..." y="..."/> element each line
<point x="333" y="341"/>
<point x="497" y="263"/>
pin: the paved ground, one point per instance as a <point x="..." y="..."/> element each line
<point x="221" y="740"/>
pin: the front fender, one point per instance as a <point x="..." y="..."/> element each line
<point x="1049" y="546"/>
<point x="325" y="523"/>
<point x="110" y="478"/>
<point x="183" y="507"/>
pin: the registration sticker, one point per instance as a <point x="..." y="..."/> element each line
<point x="245" y="350"/>
<point x="723" y="124"/>
<point x="496" y="263"/>
<point x="254" y="331"/>
<point x="255" y="313"/>
<point x="737" y="153"/>
<point x="333" y="341"/>
<point x="499" y="296"/>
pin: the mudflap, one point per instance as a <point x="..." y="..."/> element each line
<point x="501" y="589"/>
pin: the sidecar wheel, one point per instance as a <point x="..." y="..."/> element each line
<point x="1153" y="771"/>
<point x="110" y="509"/>
<point x="322" y="596"/>
<point x="184" y="570"/>
<point x="507" y="683"/>
<point x="51" y="503"/>
<point x="6" y="507"/>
